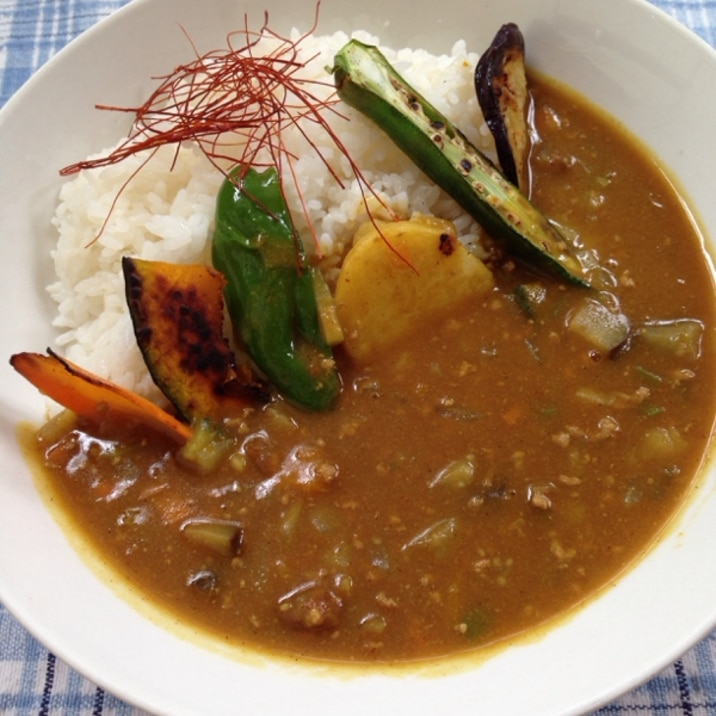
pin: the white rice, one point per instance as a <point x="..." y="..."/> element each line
<point x="168" y="215"/>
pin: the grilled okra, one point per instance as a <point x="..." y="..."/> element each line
<point x="366" y="81"/>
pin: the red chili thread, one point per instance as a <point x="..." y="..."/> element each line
<point x="234" y="98"/>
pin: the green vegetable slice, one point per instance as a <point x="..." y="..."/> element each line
<point x="366" y="80"/>
<point x="270" y="291"/>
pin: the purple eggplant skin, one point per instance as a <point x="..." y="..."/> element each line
<point x="503" y="96"/>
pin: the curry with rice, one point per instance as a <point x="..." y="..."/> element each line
<point x="488" y="463"/>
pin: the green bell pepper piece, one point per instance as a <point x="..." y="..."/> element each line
<point x="270" y="288"/>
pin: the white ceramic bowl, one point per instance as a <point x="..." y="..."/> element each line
<point x="626" y="56"/>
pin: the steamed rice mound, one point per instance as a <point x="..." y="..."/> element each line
<point x="165" y="212"/>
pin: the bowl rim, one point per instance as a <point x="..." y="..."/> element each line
<point x="22" y="604"/>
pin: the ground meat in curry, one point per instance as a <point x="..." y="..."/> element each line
<point x="490" y="473"/>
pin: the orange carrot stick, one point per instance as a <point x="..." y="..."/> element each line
<point x="93" y="397"/>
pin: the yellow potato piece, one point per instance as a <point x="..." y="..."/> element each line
<point x="390" y="284"/>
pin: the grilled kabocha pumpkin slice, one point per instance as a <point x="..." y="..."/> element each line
<point x="178" y="316"/>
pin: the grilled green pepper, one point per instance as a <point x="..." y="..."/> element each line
<point x="366" y="80"/>
<point x="270" y="292"/>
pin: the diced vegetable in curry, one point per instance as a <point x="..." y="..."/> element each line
<point x="484" y="446"/>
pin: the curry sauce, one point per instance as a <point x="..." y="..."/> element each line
<point x="492" y="471"/>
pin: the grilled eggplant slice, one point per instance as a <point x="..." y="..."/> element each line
<point x="501" y="87"/>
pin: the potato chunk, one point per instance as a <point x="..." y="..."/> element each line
<point x="390" y="284"/>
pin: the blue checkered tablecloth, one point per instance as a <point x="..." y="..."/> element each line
<point x="33" y="680"/>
